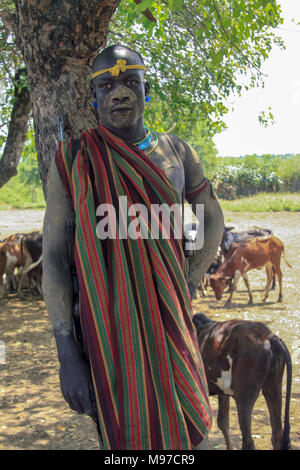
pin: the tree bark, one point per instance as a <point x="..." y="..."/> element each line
<point x="59" y="40"/>
<point x="16" y="134"/>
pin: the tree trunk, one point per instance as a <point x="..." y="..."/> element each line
<point x="59" y="40"/>
<point x="16" y="133"/>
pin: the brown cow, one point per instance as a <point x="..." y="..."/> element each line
<point x="242" y="257"/>
<point x="230" y="237"/>
<point x="213" y="268"/>
<point x="33" y="242"/>
<point x="11" y="281"/>
<point x="12" y="255"/>
<point x="24" y="252"/>
<point x="242" y="358"/>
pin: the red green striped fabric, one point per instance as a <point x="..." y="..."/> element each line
<point x="147" y="370"/>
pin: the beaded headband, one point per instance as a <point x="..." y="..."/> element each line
<point x="120" y="66"/>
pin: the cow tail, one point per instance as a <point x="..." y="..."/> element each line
<point x="22" y="250"/>
<point x="285" y="258"/>
<point x="285" y="440"/>
<point x="33" y="265"/>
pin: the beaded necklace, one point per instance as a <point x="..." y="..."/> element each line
<point x="146" y="141"/>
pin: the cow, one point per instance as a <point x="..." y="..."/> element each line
<point x="24" y="252"/>
<point x="10" y="275"/>
<point x="242" y="358"/>
<point x="33" y="242"/>
<point x="12" y="255"/>
<point x="242" y="257"/>
<point x="230" y="237"/>
<point x="213" y="268"/>
<point x="191" y="230"/>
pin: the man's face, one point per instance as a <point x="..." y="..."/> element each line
<point x="120" y="99"/>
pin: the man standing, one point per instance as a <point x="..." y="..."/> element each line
<point x="141" y="375"/>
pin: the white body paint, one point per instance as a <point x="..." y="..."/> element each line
<point x="224" y="382"/>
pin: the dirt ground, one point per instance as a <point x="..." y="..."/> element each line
<point x="33" y="414"/>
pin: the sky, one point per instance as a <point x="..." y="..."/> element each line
<point x="244" y="134"/>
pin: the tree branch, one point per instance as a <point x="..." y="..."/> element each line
<point x="147" y="12"/>
<point x="16" y="134"/>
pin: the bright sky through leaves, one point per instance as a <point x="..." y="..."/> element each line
<point x="245" y="135"/>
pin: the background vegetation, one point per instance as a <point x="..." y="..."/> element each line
<point x="252" y="174"/>
<point x="24" y="191"/>
<point x="196" y="54"/>
<point x="250" y="183"/>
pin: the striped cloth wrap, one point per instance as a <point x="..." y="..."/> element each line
<point x="136" y="315"/>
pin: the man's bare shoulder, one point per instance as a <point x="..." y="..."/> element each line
<point x="186" y="152"/>
<point x="194" y="175"/>
<point x="179" y="144"/>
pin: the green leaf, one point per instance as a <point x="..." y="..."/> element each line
<point x="143" y="5"/>
<point x="268" y="7"/>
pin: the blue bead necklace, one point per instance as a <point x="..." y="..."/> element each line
<point x="146" y="141"/>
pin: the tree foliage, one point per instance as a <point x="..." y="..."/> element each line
<point x="28" y="167"/>
<point x="196" y="52"/>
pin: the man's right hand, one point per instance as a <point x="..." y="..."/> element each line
<point x="77" y="387"/>
<point x="75" y="376"/>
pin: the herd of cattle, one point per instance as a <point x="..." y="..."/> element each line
<point x="239" y="252"/>
<point x="241" y="358"/>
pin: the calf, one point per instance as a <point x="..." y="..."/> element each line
<point x="242" y="257"/>
<point x="230" y="237"/>
<point x="242" y="358"/>
<point x="213" y="268"/>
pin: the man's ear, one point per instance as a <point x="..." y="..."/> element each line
<point x="147" y="88"/>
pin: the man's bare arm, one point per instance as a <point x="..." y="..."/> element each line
<point x="213" y="231"/>
<point x="213" y="215"/>
<point x="75" y="377"/>
<point x="57" y="281"/>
